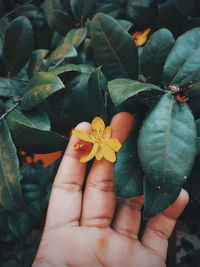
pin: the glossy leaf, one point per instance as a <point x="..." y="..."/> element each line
<point x="113" y="48"/>
<point x="34" y="140"/>
<point x="61" y="22"/>
<point x="193" y="91"/>
<point x="42" y="85"/>
<point x="184" y="57"/>
<point x="155" y="53"/>
<point x="198" y="135"/>
<point x="81" y="9"/>
<point x="64" y="50"/>
<point x="155" y="200"/>
<point x="76" y="36"/>
<point x="36" y="61"/>
<point x="128" y="173"/>
<point x="167" y="144"/>
<point x="122" y="89"/>
<point x="36" y="118"/>
<point x="82" y="68"/>
<point x="9" y="169"/>
<point x="95" y="97"/>
<point x="18" y="44"/>
<point x="11" y="87"/>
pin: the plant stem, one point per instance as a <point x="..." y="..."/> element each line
<point x="7" y="112"/>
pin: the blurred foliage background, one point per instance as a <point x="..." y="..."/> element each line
<point x="56" y="70"/>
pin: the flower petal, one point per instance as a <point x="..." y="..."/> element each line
<point x="83" y="135"/>
<point x="98" y="125"/>
<point x="114" y="144"/>
<point x="108" y="153"/>
<point x="107" y="132"/>
<point x="99" y="154"/>
<point x="92" y="153"/>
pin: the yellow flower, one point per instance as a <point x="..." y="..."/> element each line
<point x="141" y="38"/>
<point x="100" y="137"/>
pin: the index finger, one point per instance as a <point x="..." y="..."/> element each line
<point x="66" y="195"/>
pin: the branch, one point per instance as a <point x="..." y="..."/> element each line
<point x="7" y="112"/>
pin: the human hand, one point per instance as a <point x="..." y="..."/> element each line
<point x="91" y="229"/>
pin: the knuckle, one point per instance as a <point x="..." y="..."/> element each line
<point x="68" y="186"/>
<point x="105" y="185"/>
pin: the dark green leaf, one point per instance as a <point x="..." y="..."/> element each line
<point x="9" y="169"/>
<point x="64" y="50"/>
<point x="11" y="87"/>
<point x="18" y="44"/>
<point x="82" y="68"/>
<point x="38" y="118"/>
<point x="61" y="22"/>
<point x="155" y="200"/>
<point x="113" y="48"/>
<point x="126" y="25"/>
<point x="95" y="97"/>
<point x="141" y="13"/>
<point x="20" y="224"/>
<point x="155" y="53"/>
<point x="76" y="36"/>
<point x="128" y="172"/>
<point x="82" y="8"/>
<point x="42" y="85"/>
<point x="36" y="61"/>
<point x="184" y="6"/>
<point x="112" y="10"/>
<point x="122" y="89"/>
<point x="35" y="140"/>
<point x="184" y="57"/>
<point x="167" y="144"/>
<point x="198" y="135"/>
<point x="193" y="183"/>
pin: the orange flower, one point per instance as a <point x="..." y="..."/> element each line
<point x="141" y="38"/>
<point x="47" y="159"/>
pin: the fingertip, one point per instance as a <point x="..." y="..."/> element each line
<point x="122" y="124"/>
<point x="175" y="210"/>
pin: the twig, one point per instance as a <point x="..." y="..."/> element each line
<point x="15" y="10"/>
<point x="7" y="112"/>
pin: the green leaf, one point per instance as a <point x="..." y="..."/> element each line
<point x="34" y="140"/>
<point x="36" y="61"/>
<point x="141" y="13"/>
<point x="113" y="48"/>
<point x="18" y="44"/>
<point x="81" y="9"/>
<point x="155" y="200"/>
<point x="42" y="85"/>
<point x="198" y="135"/>
<point x="193" y="92"/>
<point x="9" y="170"/>
<point x="36" y="118"/>
<point x="20" y="224"/>
<point x="82" y="68"/>
<point x="63" y="51"/>
<point x="122" y="89"/>
<point x="193" y="183"/>
<point x="184" y="57"/>
<point x="184" y="7"/>
<point x="167" y="144"/>
<point x="95" y="97"/>
<point x="128" y="172"/>
<point x="62" y="22"/>
<point x="76" y="36"/>
<point x="155" y="53"/>
<point x="11" y="87"/>
<point x="126" y="25"/>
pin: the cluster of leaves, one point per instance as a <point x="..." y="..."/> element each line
<point x="63" y="62"/>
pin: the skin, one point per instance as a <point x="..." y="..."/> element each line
<point x="93" y="228"/>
